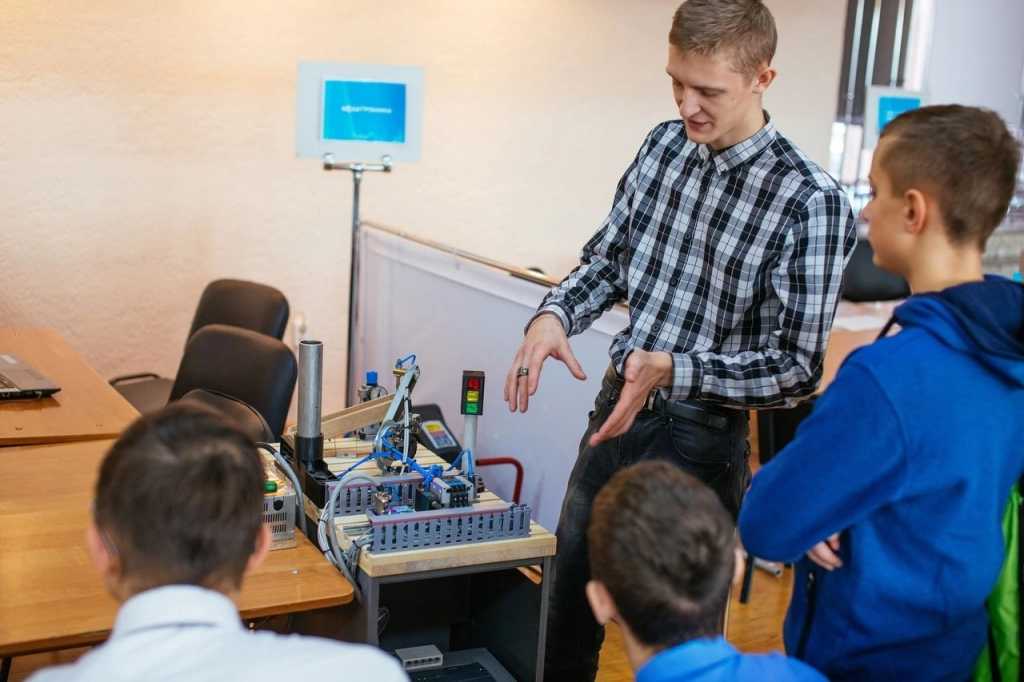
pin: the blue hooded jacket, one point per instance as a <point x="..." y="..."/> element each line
<point x="910" y="455"/>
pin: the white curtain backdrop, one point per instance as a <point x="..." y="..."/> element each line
<point x="455" y="314"/>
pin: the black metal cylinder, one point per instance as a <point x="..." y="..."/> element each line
<point x="309" y="451"/>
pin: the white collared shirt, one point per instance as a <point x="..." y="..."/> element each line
<point x="182" y="632"/>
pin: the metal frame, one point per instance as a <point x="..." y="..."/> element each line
<point x="370" y="604"/>
<point x="357" y="170"/>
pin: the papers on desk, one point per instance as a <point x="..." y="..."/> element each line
<point x="859" y="323"/>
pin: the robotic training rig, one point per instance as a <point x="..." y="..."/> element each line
<point x="401" y="504"/>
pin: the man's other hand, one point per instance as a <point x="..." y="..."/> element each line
<point x="545" y="338"/>
<point x="643" y="373"/>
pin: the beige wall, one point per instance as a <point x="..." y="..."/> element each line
<point x="147" y="148"/>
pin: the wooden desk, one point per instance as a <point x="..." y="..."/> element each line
<point x="50" y="595"/>
<point x="86" y="407"/>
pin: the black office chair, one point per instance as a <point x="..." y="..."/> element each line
<point x="240" y="413"/>
<point x="241" y="364"/>
<point x="865" y="281"/>
<point x="248" y="305"/>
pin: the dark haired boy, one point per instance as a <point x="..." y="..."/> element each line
<point x="895" y="486"/>
<point x="177" y="523"/>
<point x="662" y="556"/>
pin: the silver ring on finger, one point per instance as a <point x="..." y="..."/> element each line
<point x="522" y="372"/>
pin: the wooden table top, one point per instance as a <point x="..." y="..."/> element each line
<point x="51" y="596"/>
<point x="85" y="408"/>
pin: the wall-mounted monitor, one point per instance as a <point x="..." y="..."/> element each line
<point x="883" y="105"/>
<point x="359" y="112"/>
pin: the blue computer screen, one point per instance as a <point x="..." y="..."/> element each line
<point x="364" y="111"/>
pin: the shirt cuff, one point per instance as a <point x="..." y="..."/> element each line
<point x="620" y="356"/>
<point x="686" y="377"/>
<point x="558" y="312"/>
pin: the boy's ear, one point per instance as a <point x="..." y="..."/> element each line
<point x="103" y="557"/>
<point x="915" y="211"/>
<point x="601" y="602"/>
<point x="261" y="550"/>
<point x="765" y="77"/>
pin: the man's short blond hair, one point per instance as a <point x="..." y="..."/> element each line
<point x="744" y="29"/>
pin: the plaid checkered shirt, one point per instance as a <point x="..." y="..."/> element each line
<point x="731" y="262"/>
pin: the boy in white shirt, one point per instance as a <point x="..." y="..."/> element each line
<point x="177" y="523"/>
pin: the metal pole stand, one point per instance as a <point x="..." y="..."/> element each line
<point x="357" y="169"/>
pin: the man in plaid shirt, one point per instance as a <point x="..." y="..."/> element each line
<point x="728" y="245"/>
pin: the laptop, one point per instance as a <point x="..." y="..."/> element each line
<point x="20" y="381"/>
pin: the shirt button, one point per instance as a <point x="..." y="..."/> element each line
<point x="674" y="281"/>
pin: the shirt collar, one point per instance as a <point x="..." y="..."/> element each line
<point x="176" y="605"/>
<point x="741" y="152"/>
<point x="691" y="656"/>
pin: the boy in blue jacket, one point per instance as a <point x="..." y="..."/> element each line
<point x="895" y="485"/>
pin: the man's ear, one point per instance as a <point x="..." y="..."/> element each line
<point x="261" y="549"/>
<point x="103" y="557"/>
<point x="765" y="77"/>
<point x="915" y="211"/>
<point x="601" y="602"/>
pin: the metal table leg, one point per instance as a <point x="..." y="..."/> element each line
<point x="748" y="579"/>
<point x="542" y="627"/>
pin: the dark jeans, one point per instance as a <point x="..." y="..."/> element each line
<point x="717" y="456"/>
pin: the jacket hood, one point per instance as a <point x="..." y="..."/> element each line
<point x="983" y="319"/>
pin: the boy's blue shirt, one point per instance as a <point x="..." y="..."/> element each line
<point x="714" y="660"/>
<point x="909" y="455"/>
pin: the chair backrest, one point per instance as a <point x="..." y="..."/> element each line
<point x="240" y="413"/>
<point x="248" y="305"/>
<point x="865" y="281"/>
<point x="242" y="364"/>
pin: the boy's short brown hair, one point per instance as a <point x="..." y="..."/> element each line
<point x="743" y="28"/>
<point x="662" y="544"/>
<point x="179" y="500"/>
<point x="964" y="157"/>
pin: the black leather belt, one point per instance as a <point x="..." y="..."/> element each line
<point x="673" y="408"/>
<point x="685" y="410"/>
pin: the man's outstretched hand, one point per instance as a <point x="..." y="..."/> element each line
<point x="643" y="373"/>
<point x="545" y="338"/>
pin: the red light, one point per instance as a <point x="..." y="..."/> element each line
<point x="473" y="384"/>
